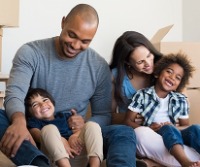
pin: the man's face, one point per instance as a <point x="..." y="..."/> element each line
<point x="76" y="36"/>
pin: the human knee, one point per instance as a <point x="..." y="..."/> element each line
<point x="170" y="129"/>
<point x="195" y="128"/>
<point x="48" y="129"/>
<point x="123" y="130"/>
<point x="90" y="125"/>
<point x="143" y="133"/>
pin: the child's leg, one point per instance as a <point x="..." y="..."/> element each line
<point x="92" y="138"/>
<point x="79" y="160"/>
<point x="52" y="145"/>
<point x="174" y="143"/>
<point x="178" y="152"/>
<point x="156" y="150"/>
<point x="191" y="137"/>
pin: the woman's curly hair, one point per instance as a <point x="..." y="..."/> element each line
<point x="180" y="59"/>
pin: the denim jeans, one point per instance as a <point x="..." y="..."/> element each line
<point x="189" y="136"/>
<point x="27" y="153"/>
<point x="119" y="142"/>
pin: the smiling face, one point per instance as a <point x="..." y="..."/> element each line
<point x="142" y="60"/>
<point x="76" y="36"/>
<point x="41" y="108"/>
<point x="169" y="79"/>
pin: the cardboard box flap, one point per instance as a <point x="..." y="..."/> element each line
<point x="160" y="34"/>
<point x="1" y="32"/>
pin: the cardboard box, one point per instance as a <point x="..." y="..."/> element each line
<point x="1" y="35"/>
<point x="192" y="49"/>
<point x="9" y="13"/>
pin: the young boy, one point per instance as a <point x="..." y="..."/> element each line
<point x="162" y="106"/>
<point x="51" y="131"/>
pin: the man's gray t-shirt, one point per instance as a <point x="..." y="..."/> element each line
<point x="72" y="82"/>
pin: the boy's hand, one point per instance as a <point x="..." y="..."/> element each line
<point x="156" y="126"/>
<point x="69" y="150"/>
<point x="75" y="143"/>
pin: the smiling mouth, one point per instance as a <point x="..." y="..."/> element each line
<point x="70" y="50"/>
<point x="45" y="110"/>
<point x="169" y="83"/>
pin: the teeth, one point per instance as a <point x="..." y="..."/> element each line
<point x="44" y="110"/>
<point x="169" y="83"/>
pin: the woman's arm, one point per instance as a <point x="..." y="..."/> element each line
<point x="117" y="118"/>
<point x="130" y="119"/>
<point x="114" y="104"/>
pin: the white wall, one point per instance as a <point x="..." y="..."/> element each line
<point x="42" y="18"/>
<point x="191" y="20"/>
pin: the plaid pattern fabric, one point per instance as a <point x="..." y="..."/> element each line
<point x="146" y="101"/>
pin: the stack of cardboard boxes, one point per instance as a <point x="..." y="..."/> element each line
<point x="192" y="49"/>
<point x="9" y="17"/>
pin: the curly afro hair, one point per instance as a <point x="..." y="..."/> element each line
<point x="180" y="59"/>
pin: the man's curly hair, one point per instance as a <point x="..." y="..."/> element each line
<point x="180" y="59"/>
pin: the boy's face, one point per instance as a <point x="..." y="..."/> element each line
<point x="42" y="108"/>
<point x="170" y="78"/>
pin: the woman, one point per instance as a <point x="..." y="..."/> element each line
<point x="132" y="66"/>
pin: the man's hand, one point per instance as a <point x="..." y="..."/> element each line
<point x="15" y="134"/>
<point x="76" y="122"/>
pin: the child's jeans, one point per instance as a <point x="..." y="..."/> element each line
<point x="189" y="136"/>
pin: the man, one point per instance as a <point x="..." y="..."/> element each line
<point x="75" y="75"/>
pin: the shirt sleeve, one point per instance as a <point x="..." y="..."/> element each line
<point x="19" y="80"/>
<point x="184" y="114"/>
<point x="101" y="99"/>
<point x="137" y="102"/>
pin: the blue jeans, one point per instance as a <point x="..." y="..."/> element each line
<point x="27" y="153"/>
<point x="189" y="136"/>
<point x="119" y="142"/>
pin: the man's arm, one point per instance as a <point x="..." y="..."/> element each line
<point x="18" y="84"/>
<point x="19" y="80"/>
<point x="101" y="104"/>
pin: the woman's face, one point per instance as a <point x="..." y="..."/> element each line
<point x="142" y="60"/>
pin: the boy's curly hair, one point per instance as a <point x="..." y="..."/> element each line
<point x="180" y="59"/>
